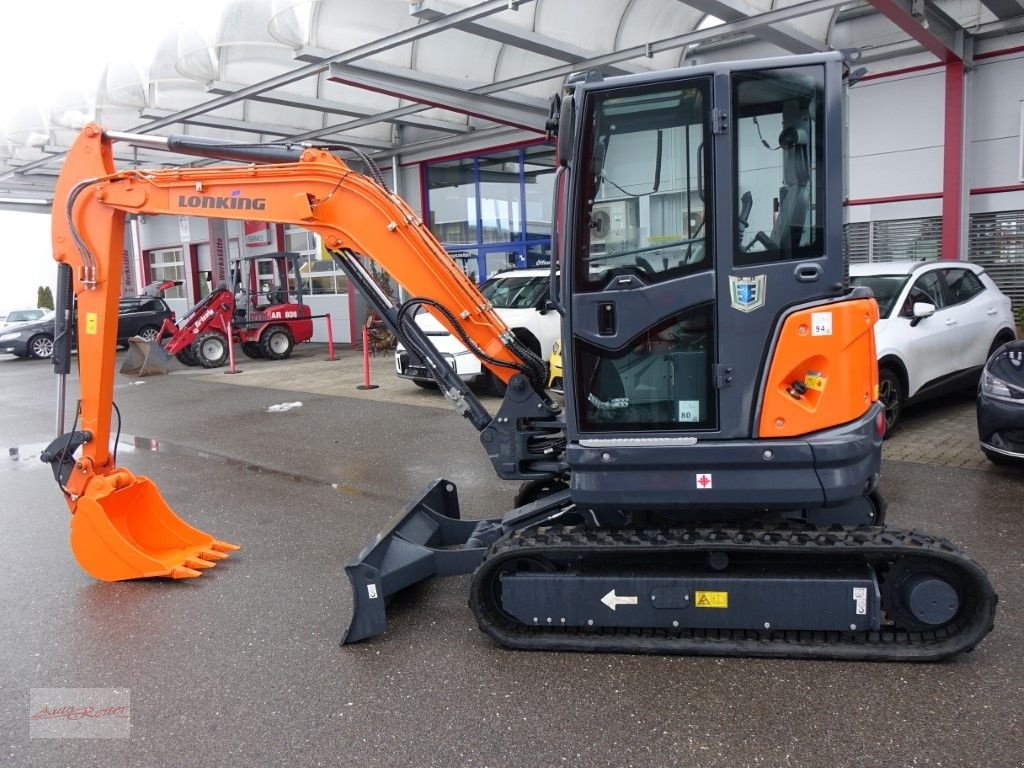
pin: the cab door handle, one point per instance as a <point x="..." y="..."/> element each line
<point x="606" y="319"/>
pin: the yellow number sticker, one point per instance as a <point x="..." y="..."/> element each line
<point x="712" y="599"/>
<point x="91" y="320"/>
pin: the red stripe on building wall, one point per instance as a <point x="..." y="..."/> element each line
<point x="894" y="199"/>
<point x="931" y="195"/>
<point x="1003" y="52"/>
<point x="938" y="64"/>
<point x="998" y="190"/>
<point x="904" y="71"/>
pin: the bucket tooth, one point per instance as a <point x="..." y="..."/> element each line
<point x="223" y="546"/>
<point x="181" y="572"/>
<point x="198" y="563"/>
<point x="209" y="554"/>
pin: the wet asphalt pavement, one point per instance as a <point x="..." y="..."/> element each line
<point x="242" y="667"/>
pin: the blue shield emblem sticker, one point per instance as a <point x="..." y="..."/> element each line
<point x="747" y="293"/>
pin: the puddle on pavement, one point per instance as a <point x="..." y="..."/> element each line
<point x="25" y="457"/>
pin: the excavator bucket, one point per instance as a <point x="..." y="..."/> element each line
<point x="144" y="358"/>
<point x="123" y="529"/>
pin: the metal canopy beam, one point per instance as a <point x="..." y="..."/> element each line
<point x="507" y="34"/>
<point x="939" y="34"/>
<point x="261" y="129"/>
<point x="1004" y="9"/>
<point x="422" y="150"/>
<point x="326" y="106"/>
<point x="785" y="36"/>
<point x="444" y="95"/>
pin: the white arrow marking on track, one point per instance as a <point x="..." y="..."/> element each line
<point x="612" y="600"/>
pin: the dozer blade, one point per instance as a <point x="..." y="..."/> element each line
<point x="427" y="539"/>
<point x="123" y="529"/>
<point x="144" y="358"/>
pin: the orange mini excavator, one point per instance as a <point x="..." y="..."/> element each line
<point x="711" y="485"/>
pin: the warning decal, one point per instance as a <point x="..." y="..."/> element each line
<point x="90" y="323"/>
<point x="711" y="599"/>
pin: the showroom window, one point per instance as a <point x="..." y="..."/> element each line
<point x="492" y="212"/>
<point x="320" y="273"/>
<point x="168" y="264"/>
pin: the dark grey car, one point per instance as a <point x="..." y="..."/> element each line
<point x="137" y="316"/>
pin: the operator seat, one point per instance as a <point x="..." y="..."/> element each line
<point x="791" y="222"/>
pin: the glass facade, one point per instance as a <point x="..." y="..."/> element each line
<point x="320" y="275"/>
<point x="168" y="264"/>
<point x="492" y="212"/>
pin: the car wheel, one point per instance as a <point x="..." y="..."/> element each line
<point x="997" y="342"/>
<point x="424" y="384"/>
<point x="276" y="343"/>
<point x="890" y="393"/>
<point x="40" y="347"/>
<point x="149" y="333"/>
<point x="210" y="349"/>
<point x="494" y="386"/>
<point x="252" y="349"/>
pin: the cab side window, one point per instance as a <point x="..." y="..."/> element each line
<point x="963" y="285"/>
<point x="925" y="289"/>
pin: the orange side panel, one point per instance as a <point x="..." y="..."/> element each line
<point x="824" y="371"/>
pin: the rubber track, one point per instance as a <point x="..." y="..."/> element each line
<point x="876" y="545"/>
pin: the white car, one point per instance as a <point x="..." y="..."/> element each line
<point x="939" y="321"/>
<point x="17" y="316"/>
<point x="520" y="299"/>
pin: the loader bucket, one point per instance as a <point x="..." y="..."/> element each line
<point x="123" y="529"/>
<point x="144" y="358"/>
<point x="427" y="539"/>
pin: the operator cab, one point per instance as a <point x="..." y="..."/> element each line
<point x="672" y="306"/>
<point x="264" y="281"/>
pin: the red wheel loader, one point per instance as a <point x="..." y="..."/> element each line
<point x="267" y="317"/>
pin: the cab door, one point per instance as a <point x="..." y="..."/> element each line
<point x="699" y="216"/>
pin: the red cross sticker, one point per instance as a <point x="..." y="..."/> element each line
<point x="703" y="481"/>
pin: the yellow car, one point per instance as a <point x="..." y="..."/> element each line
<point x="555" y="368"/>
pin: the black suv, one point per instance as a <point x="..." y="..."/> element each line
<point x="137" y="316"/>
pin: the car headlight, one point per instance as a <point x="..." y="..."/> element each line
<point x="556" y="348"/>
<point x="10" y="336"/>
<point x="993" y="387"/>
